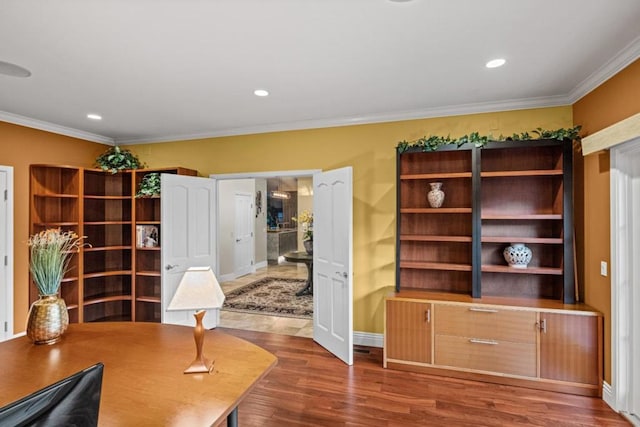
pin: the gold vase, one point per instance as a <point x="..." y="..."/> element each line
<point x="48" y="319"/>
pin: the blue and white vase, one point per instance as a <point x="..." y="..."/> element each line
<point x="517" y="255"/>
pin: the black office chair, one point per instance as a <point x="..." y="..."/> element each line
<point x="71" y="402"/>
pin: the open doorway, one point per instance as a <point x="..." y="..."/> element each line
<point x="278" y="200"/>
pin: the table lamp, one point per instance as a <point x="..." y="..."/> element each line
<point x="198" y="290"/>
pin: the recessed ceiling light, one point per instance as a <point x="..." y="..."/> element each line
<point x="94" y="116"/>
<point x="13" y="70"/>
<point x="495" y="63"/>
<point x="261" y="92"/>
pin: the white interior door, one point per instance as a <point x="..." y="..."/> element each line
<point x="187" y="238"/>
<point x="243" y="234"/>
<point x="333" y="262"/>
<point x="6" y="290"/>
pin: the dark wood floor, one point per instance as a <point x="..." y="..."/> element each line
<point x="310" y="387"/>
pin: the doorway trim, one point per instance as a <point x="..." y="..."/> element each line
<point x="7" y="331"/>
<point x="269" y="174"/>
<point x="368" y="339"/>
<point x="627" y="131"/>
<point x="252" y="175"/>
<point x="625" y="241"/>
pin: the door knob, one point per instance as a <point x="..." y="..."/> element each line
<point x="169" y="266"/>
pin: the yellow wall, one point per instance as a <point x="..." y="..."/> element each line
<point x="615" y="100"/>
<point x="22" y="146"/>
<point x="370" y="150"/>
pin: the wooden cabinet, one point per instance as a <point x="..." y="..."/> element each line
<point x="55" y="202"/>
<point x="434" y="248"/>
<point x="568" y="345"/>
<point x="107" y="224"/>
<point x="549" y="346"/>
<point x="408" y="335"/>
<point x="488" y="319"/>
<point x="526" y="197"/>
<point x="483" y="338"/>
<point x="112" y="279"/>
<point x="503" y="193"/>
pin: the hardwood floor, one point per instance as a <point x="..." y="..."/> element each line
<point x="310" y="387"/>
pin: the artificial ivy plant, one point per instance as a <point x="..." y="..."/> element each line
<point x="432" y="143"/>
<point x="116" y="159"/>
<point x="149" y="185"/>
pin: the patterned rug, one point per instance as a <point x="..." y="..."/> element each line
<point x="273" y="296"/>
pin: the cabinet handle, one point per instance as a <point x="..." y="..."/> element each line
<point x="427" y="316"/>
<point x="483" y="310"/>
<point x="487" y="342"/>
<point x="542" y="325"/>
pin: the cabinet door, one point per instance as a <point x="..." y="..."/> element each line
<point x="569" y="349"/>
<point x="408" y="331"/>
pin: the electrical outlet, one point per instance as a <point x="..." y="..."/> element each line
<point x="603" y="268"/>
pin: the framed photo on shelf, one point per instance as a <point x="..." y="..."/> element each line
<point x="147" y="236"/>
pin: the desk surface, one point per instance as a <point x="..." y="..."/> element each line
<point x="143" y="383"/>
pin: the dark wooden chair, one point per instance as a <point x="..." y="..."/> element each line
<point x="73" y="401"/>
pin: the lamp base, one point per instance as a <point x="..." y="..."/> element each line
<point x="200" y="366"/>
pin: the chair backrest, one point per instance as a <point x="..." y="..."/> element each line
<point x="73" y="401"/>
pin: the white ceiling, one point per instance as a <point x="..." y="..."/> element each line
<point x="159" y="70"/>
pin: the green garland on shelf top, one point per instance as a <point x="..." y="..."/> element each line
<point x="432" y="143"/>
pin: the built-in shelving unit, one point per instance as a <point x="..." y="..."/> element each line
<point x="423" y="231"/>
<point x="496" y="195"/>
<point x="112" y="279"/>
<point x="459" y="309"/>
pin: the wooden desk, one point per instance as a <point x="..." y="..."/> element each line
<point x="304" y="257"/>
<point x="143" y="383"/>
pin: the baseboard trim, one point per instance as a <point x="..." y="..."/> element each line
<point x="635" y="421"/>
<point x="262" y="264"/>
<point x="368" y="339"/>
<point x="608" y="395"/>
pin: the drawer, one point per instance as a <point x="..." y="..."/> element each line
<point x="486" y="355"/>
<point x="482" y="322"/>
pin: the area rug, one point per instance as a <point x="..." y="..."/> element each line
<point x="272" y="296"/>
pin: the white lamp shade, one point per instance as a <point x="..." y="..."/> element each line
<point x="198" y="290"/>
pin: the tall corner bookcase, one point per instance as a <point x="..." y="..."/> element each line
<point x="110" y="279"/>
<point x="459" y="309"/>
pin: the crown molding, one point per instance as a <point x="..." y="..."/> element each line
<point x="625" y="57"/>
<point x="609" y="69"/>
<point x="453" y="110"/>
<point x="51" y="127"/>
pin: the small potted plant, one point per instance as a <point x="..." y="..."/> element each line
<point x="116" y="159"/>
<point x="149" y="185"/>
<point x="50" y="252"/>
